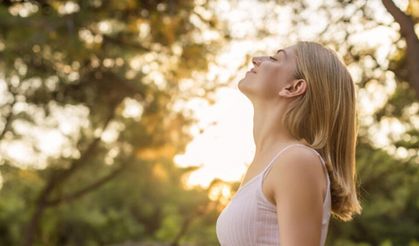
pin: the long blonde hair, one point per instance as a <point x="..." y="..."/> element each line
<point x="326" y="117"/>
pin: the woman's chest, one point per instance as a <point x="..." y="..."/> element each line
<point x="236" y="224"/>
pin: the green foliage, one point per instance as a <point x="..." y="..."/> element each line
<point x="388" y="199"/>
<point x="94" y="55"/>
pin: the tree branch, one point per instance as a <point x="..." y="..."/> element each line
<point x="405" y="21"/>
<point x="407" y="30"/>
<point x="9" y="116"/>
<point x="62" y="175"/>
<point x="87" y="189"/>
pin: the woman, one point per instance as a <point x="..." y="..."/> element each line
<point x="305" y="128"/>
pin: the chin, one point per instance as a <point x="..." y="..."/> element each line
<point x="247" y="88"/>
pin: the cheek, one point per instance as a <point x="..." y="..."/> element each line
<point x="270" y="75"/>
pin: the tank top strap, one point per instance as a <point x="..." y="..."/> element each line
<point x="269" y="166"/>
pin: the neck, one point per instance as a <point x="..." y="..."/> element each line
<point x="268" y="132"/>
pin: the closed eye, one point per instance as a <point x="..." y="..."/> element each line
<point x="273" y="58"/>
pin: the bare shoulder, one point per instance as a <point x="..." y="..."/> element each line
<point x="297" y="184"/>
<point x="296" y="167"/>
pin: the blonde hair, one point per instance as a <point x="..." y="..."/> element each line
<point x="326" y="117"/>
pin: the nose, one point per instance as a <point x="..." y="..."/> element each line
<point x="257" y="60"/>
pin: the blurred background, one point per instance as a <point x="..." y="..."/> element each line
<point x="122" y="124"/>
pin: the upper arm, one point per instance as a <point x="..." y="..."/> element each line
<point x="297" y="182"/>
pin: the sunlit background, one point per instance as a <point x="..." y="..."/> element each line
<point x="221" y="144"/>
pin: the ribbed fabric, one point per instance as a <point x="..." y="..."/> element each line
<point x="251" y="219"/>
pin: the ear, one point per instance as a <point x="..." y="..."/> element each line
<point x="297" y="87"/>
<point x="285" y="92"/>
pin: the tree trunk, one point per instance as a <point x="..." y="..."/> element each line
<point x="407" y="31"/>
<point x="33" y="228"/>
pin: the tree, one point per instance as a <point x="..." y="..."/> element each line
<point x="100" y="56"/>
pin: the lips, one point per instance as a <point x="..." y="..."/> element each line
<point x="252" y="70"/>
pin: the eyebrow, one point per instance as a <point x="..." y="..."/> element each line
<point x="286" y="56"/>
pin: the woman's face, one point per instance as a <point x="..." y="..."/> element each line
<point x="269" y="76"/>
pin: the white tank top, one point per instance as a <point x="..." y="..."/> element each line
<point x="250" y="219"/>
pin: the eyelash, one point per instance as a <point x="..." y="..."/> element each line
<point x="273" y="58"/>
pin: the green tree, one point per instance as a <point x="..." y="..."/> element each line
<point x="99" y="57"/>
